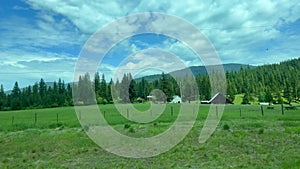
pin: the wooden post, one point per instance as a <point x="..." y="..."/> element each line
<point x="35" y="118"/>
<point x="282" y="111"/>
<point x="104" y="113"/>
<point x="79" y="115"/>
<point x="171" y="110"/>
<point x="240" y="112"/>
<point x="12" y="120"/>
<point x="127" y="113"/>
<point x="262" y="110"/>
<point x="217" y="113"/>
<point x="57" y="118"/>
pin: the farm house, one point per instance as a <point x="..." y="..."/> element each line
<point x="218" y="98"/>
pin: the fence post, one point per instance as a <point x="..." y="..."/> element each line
<point x="35" y="118"/>
<point x="217" y="113"/>
<point x="79" y="114"/>
<point x="104" y="113"/>
<point x="12" y="120"/>
<point x="127" y="113"/>
<point x="57" y="118"/>
<point x="171" y="110"/>
<point x="240" y="112"/>
<point x="262" y="110"/>
<point x="282" y="111"/>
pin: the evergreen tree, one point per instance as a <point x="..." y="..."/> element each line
<point x="35" y="95"/>
<point x="85" y="89"/>
<point x="2" y="98"/>
<point x="132" y="91"/>
<point x="15" y="95"/>
<point x="231" y="91"/>
<point x="124" y="89"/>
<point x="97" y="84"/>
<point x="288" y="93"/>
<point x="165" y="86"/>
<point x="103" y="88"/>
<point x="269" y="97"/>
<point x="42" y="88"/>
<point x="109" y="91"/>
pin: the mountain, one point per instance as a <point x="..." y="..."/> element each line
<point x="196" y="70"/>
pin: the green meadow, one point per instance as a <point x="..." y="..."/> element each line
<point x="244" y="138"/>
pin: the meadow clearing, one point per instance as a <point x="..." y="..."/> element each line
<point x="244" y="138"/>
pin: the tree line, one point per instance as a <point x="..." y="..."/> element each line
<point x="39" y="95"/>
<point x="275" y="83"/>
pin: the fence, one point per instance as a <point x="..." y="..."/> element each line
<point x="16" y="120"/>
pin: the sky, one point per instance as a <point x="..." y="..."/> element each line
<point x="43" y="39"/>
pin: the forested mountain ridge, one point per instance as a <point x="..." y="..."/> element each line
<point x="198" y="70"/>
<point x="269" y="83"/>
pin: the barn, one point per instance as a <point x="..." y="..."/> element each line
<point x="218" y="98"/>
<point x="176" y="99"/>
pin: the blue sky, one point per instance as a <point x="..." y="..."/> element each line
<point x="43" y="39"/>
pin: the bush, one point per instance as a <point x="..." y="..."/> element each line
<point x="101" y="100"/>
<point x="126" y="126"/>
<point x="261" y="131"/>
<point x="86" y="128"/>
<point x="131" y="130"/>
<point x="226" y="127"/>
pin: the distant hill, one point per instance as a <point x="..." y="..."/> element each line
<point x="196" y="70"/>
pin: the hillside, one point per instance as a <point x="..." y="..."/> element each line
<point x="197" y="70"/>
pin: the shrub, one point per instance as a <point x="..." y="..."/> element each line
<point x="226" y="127"/>
<point x="86" y="128"/>
<point x="261" y="131"/>
<point x="131" y="130"/>
<point x="126" y="126"/>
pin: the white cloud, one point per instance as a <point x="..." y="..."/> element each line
<point x="239" y="30"/>
<point x="149" y="61"/>
<point x="41" y="33"/>
<point x="30" y="67"/>
<point x="228" y="24"/>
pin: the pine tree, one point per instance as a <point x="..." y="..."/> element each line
<point x="42" y="88"/>
<point x="165" y="86"/>
<point x="288" y="93"/>
<point x="2" y="98"/>
<point x="103" y="88"/>
<point x="97" y="84"/>
<point x="269" y="96"/>
<point x="231" y="91"/>
<point x="109" y="91"/>
<point x="86" y="92"/>
<point x="124" y="89"/>
<point x="15" y="95"/>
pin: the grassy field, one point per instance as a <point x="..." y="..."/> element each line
<point x="53" y="138"/>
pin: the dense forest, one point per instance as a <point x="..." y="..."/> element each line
<point x="276" y="83"/>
